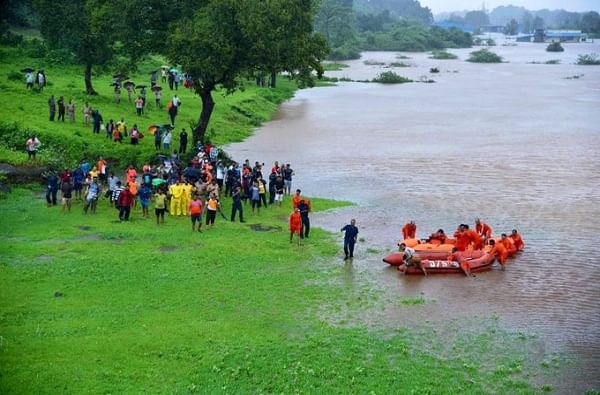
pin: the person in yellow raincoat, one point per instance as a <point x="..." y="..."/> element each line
<point x="186" y="197"/>
<point x="176" y="192"/>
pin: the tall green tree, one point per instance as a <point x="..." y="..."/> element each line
<point x="335" y="21"/>
<point x="476" y="19"/>
<point x="590" y="22"/>
<point x="511" y="27"/>
<point x="225" y="40"/>
<point x="79" y="27"/>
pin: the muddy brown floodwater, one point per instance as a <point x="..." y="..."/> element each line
<point x="516" y="144"/>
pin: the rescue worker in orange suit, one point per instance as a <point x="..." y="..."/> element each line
<point x="499" y="251"/>
<point x="409" y="230"/>
<point x="462" y="239"/>
<point x="509" y="244"/>
<point x="474" y="238"/>
<point x="295" y="225"/>
<point x="516" y="238"/>
<point x="438" y="237"/>
<point x="296" y="199"/>
<point x="483" y="229"/>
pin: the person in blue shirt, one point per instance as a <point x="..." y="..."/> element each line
<point x="351" y="232"/>
<point x="78" y="181"/>
<point x="145" y="195"/>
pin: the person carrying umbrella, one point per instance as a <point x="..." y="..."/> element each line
<point x="29" y="80"/>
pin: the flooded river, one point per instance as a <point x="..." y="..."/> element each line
<point x="516" y="144"/>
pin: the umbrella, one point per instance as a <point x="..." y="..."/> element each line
<point x="157" y="181"/>
<point x="27" y="70"/>
<point x="174" y="70"/>
<point x="152" y="129"/>
<point x="164" y="66"/>
<point x="141" y="86"/>
<point x="115" y="84"/>
<point x="156" y="88"/>
<point x="129" y="83"/>
<point x="153" y="72"/>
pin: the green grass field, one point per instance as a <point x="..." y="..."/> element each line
<point x="91" y="305"/>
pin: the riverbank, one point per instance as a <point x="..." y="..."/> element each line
<point x="63" y="143"/>
<point x="94" y="305"/>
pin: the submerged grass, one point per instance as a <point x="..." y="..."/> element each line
<point x="93" y="305"/>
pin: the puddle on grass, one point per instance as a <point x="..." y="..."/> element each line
<point x="264" y="228"/>
<point x="83" y="227"/>
<point x="45" y="258"/>
<point x="168" y="248"/>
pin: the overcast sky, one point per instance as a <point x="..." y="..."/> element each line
<point x="458" y="5"/>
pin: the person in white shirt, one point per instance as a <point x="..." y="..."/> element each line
<point x="32" y="146"/>
<point x="410" y="259"/>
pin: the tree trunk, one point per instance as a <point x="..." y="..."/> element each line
<point x="273" y="79"/>
<point x="208" y="106"/>
<point x="89" y="89"/>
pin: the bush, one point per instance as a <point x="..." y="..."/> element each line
<point x="15" y="76"/>
<point x="373" y="63"/>
<point x="591" y="59"/>
<point x="442" y="55"/>
<point x="344" y="53"/>
<point x="34" y="48"/>
<point x="490" y="42"/>
<point x="389" y="77"/>
<point x="555" y="47"/>
<point x="484" y="56"/>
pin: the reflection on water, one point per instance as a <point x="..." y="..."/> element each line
<point x="516" y="144"/>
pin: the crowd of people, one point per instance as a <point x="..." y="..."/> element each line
<point x="63" y="110"/>
<point x="194" y="190"/>
<point x="464" y="238"/>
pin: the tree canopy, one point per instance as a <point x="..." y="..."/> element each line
<point x="225" y="40"/>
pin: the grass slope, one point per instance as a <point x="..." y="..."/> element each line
<point x="234" y="118"/>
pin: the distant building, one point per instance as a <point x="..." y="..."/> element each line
<point x="538" y="36"/>
<point x="449" y="24"/>
<point x="564" y="36"/>
<point x="491" y="29"/>
<point x="525" y="38"/>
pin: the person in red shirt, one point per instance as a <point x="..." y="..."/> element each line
<point x="195" y="208"/>
<point x="499" y="251"/>
<point x="517" y="240"/>
<point x="125" y="201"/>
<point x="409" y="230"/>
<point x="295" y="224"/>
<point x="509" y="244"/>
<point x="462" y="239"/>
<point x="484" y="230"/>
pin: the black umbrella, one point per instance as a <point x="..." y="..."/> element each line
<point x="154" y="72"/>
<point x="129" y="83"/>
<point x="27" y="70"/>
<point x="115" y="84"/>
<point x="141" y="86"/>
<point x="156" y="88"/>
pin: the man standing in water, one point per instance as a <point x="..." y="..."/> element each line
<point x="410" y="259"/>
<point x="351" y="232"/>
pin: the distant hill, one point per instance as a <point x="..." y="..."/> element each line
<point x="403" y="8"/>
